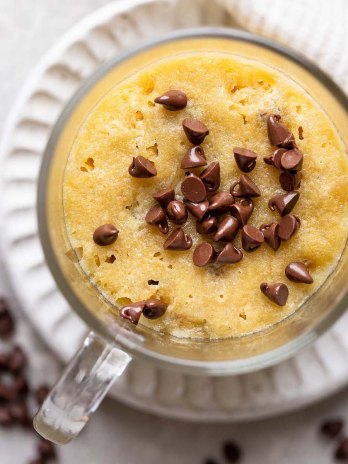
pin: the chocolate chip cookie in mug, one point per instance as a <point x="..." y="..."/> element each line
<point x="209" y="194"/>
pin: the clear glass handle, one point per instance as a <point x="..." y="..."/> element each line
<point x="80" y="389"/>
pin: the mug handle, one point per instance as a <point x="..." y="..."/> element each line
<point x="80" y="390"/>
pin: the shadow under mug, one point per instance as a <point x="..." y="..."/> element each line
<point x="112" y="343"/>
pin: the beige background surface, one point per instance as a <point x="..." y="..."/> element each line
<point x="117" y="434"/>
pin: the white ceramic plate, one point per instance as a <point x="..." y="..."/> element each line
<point x="313" y="374"/>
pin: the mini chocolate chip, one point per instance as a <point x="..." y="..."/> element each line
<point x="204" y="253"/>
<point x="177" y="212"/>
<point x="178" y="241"/>
<point x="277" y="292"/>
<point x="197" y="210"/>
<point x="245" y="159"/>
<point x="231" y="452"/>
<point x="332" y="427"/>
<point x="5" y="416"/>
<point x="220" y="202"/>
<point x="41" y="394"/>
<point x="156" y="216"/>
<point x="242" y="210"/>
<point x="194" y="158"/>
<point x="105" y="235"/>
<point x="292" y="160"/>
<point x="17" y="360"/>
<point x="152" y="282"/>
<point x="46" y="449"/>
<point x="285" y="203"/>
<point x="271" y="235"/>
<point x="252" y="238"/>
<point x="19" y="413"/>
<point x="211" y="176"/>
<point x="229" y="255"/>
<point x="298" y="272"/>
<point x="341" y="453"/>
<point x="142" y="168"/>
<point x="6" y="320"/>
<point x="193" y="189"/>
<point x="279" y="134"/>
<point x="288" y="225"/>
<point x="132" y="312"/>
<point x="153" y="309"/>
<point x="195" y="130"/>
<point x="245" y="187"/>
<point x="165" y="196"/>
<point x="207" y="226"/>
<point x="290" y="181"/>
<point x="227" y="230"/>
<point x="173" y="100"/>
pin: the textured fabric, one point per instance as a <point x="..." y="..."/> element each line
<point x="315" y="28"/>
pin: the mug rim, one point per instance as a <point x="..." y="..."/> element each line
<point x="232" y="367"/>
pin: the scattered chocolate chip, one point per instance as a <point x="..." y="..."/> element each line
<point x="6" y="320"/>
<point x="288" y="225"/>
<point x="177" y="212"/>
<point x="41" y="394"/>
<point x="165" y="196"/>
<point x="298" y="272"/>
<point x="5" y="416"/>
<point x="7" y="393"/>
<point x="227" y="229"/>
<point x="292" y="160"/>
<point x="132" y="312"/>
<point x="207" y="226"/>
<point x="152" y="282"/>
<point x="156" y="216"/>
<point x="105" y="234"/>
<point x="290" y="181"/>
<point x="20" y="385"/>
<point x="153" y="309"/>
<point x="142" y="168"/>
<point x="19" y="413"/>
<point x="173" y="100"/>
<point x="203" y="254"/>
<point x="211" y="176"/>
<point x="332" y="427"/>
<point x="242" y="210"/>
<point x="285" y="203"/>
<point x="271" y="235"/>
<point x="279" y="134"/>
<point x="275" y="159"/>
<point x="341" y="453"/>
<point x="178" y="241"/>
<point x="194" y="158"/>
<point x="193" y="189"/>
<point x="220" y="202"/>
<point x="197" y="210"/>
<point x="245" y="187"/>
<point x="229" y="255"/>
<point x="46" y="449"/>
<point x="252" y="238"/>
<point x="195" y="130"/>
<point x="278" y="292"/>
<point x="245" y="159"/>
<point x="231" y="452"/>
<point x="17" y="360"/>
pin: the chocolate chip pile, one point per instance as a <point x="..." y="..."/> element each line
<point x="221" y="214"/>
<point x="17" y="399"/>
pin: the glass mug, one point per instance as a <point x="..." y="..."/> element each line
<point x="113" y="342"/>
